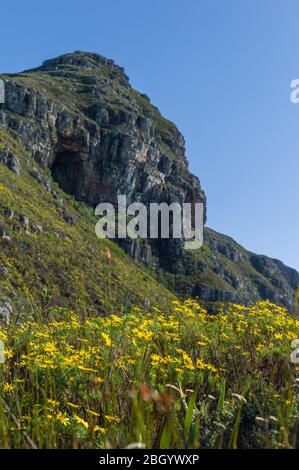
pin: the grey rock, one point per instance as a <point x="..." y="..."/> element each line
<point x="5" y="312"/>
<point x="70" y="219"/>
<point x="3" y="234"/>
<point x="3" y="270"/>
<point x="37" y="229"/>
<point x="2" y="231"/>
<point x="8" y="213"/>
<point x="10" y="160"/>
<point x="24" y="220"/>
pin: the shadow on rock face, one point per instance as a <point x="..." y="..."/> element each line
<point x="67" y="171"/>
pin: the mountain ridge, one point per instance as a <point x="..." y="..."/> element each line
<point x="84" y="126"/>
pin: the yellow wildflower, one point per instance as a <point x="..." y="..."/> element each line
<point x="99" y="429"/>
<point x="112" y="419"/>
<point x="106" y="339"/>
<point x="8" y="388"/>
<point x="80" y="421"/>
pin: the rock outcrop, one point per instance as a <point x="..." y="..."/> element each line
<point x="78" y="116"/>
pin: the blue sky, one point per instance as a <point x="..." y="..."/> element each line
<point x="221" y="70"/>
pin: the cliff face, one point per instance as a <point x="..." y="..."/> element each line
<point x="79" y="116"/>
<point x="81" y="122"/>
<point x="49" y="255"/>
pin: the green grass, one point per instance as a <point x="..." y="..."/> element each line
<point x="68" y="262"/>
<point x="181" y="379"/>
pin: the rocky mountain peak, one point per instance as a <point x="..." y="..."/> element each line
<point x="83" y="124"/>
<point x="79" y="62"/>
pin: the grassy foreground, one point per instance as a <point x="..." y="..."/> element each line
<point x="183" y="379"/>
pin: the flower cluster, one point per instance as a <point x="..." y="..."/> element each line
<point x="75" y="382"/>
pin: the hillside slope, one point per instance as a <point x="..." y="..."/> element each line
<point x="84" y="126"/>
<point x="49" y="254"/>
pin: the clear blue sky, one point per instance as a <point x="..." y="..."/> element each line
<point x="220" y="69"/>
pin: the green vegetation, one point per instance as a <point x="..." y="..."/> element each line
<point x="64" y="264"/>
<point x="182" y="379"/>
<point x="165" y="129"/>
<point x="99" y="352"/>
